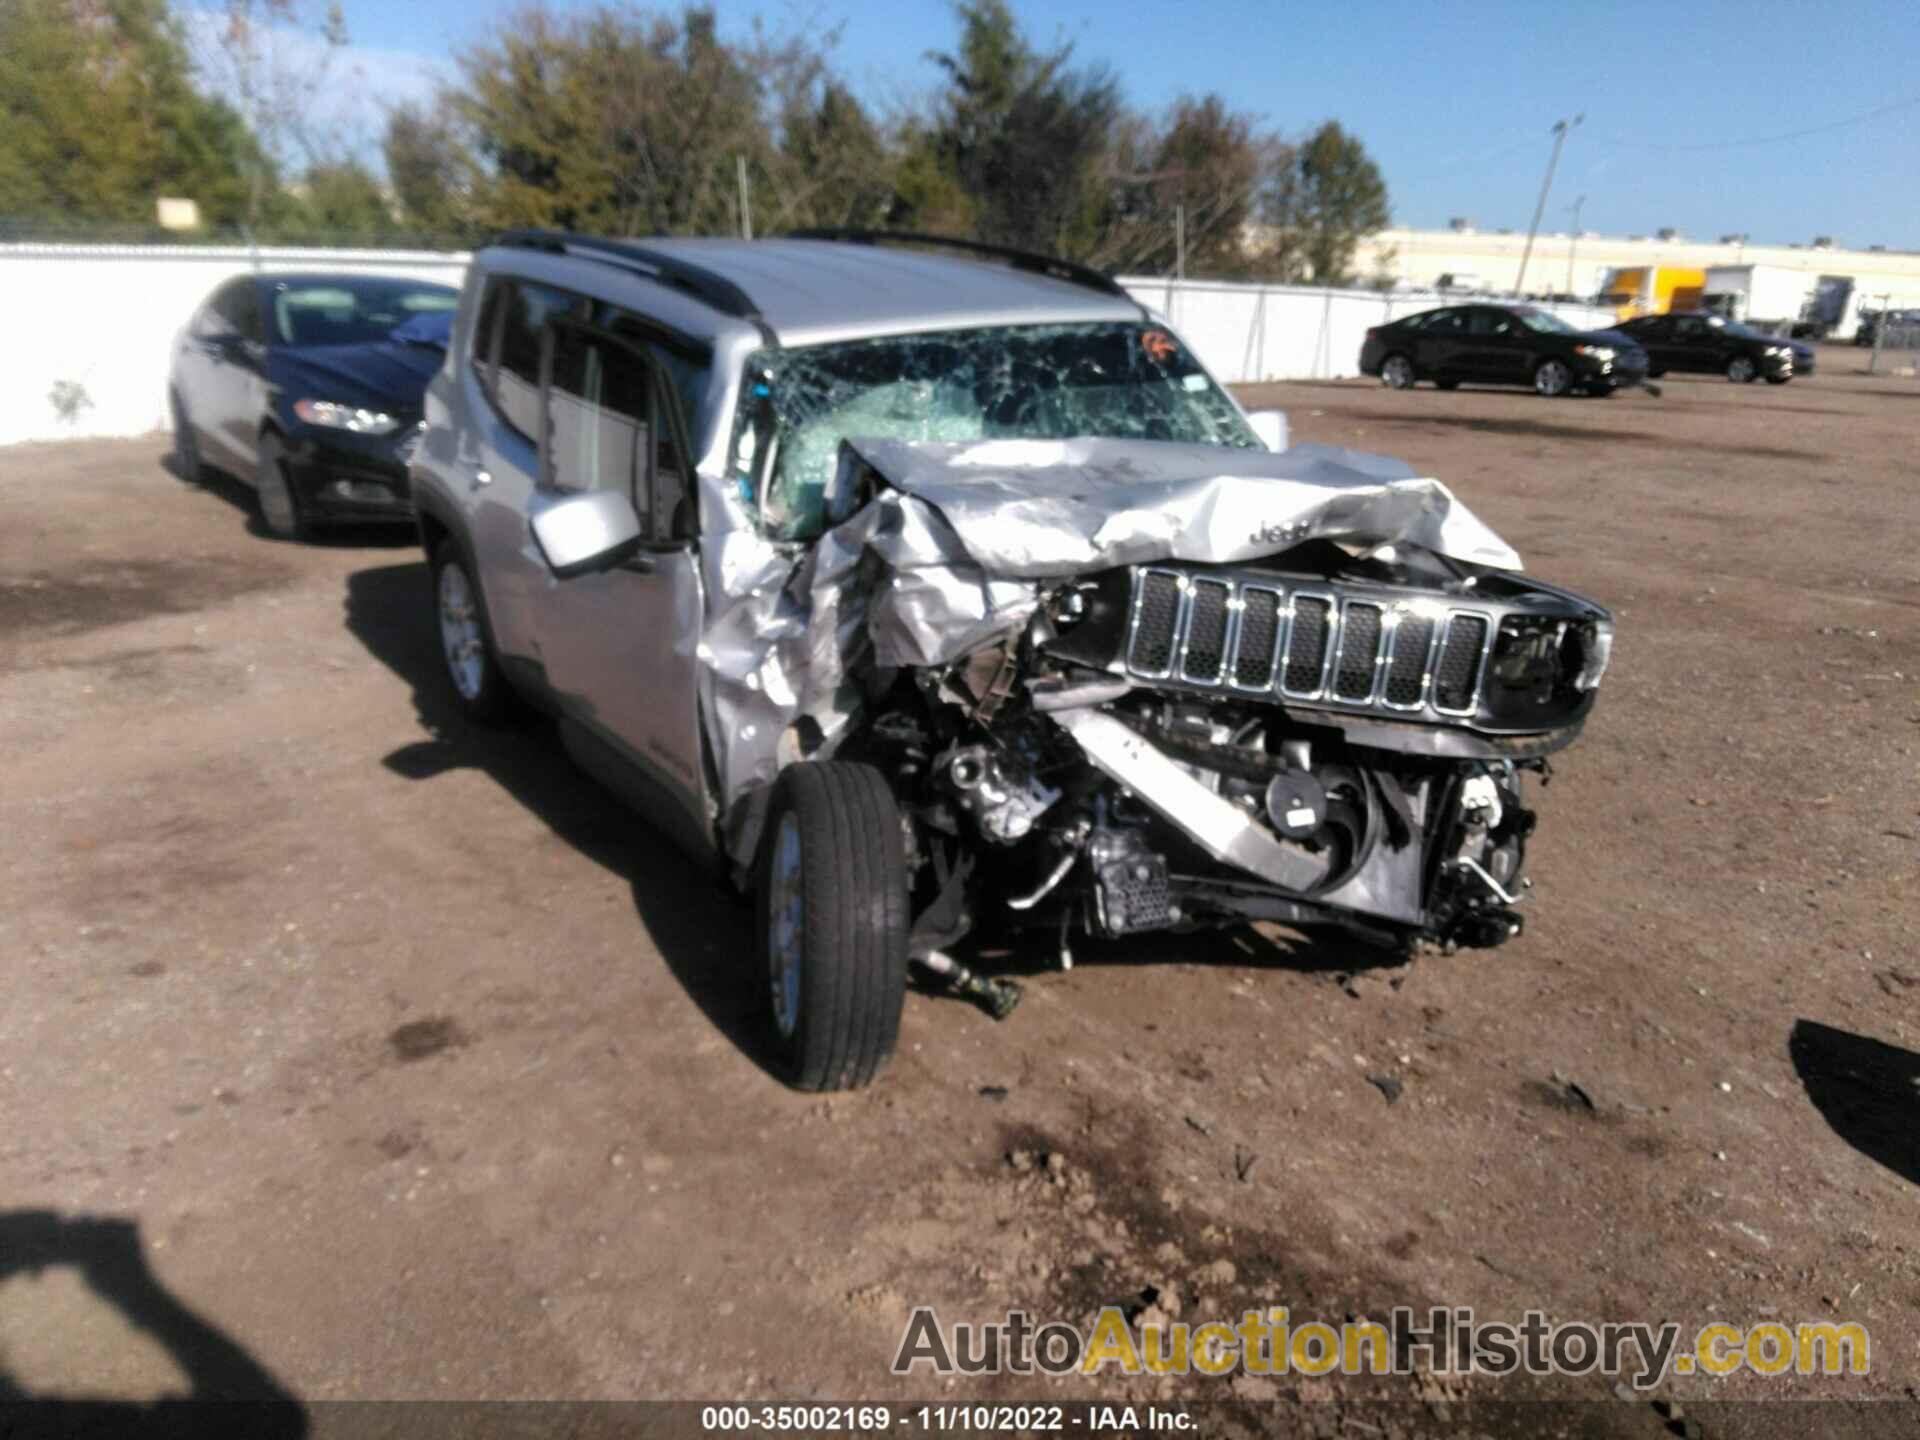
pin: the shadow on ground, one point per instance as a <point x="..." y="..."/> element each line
<point x="229" y="1386"/>
<point x="244" y="499"/>
<point x="702" y="931"/>
<point x="1867" y="1090"/>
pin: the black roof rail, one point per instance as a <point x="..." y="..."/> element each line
<point x="1069" y="270"/>
<point x="703" y="284"/>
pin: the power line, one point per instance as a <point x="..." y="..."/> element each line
<point x="1905" y="104"/>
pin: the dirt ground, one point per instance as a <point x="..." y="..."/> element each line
<point x="409" y="1065"/>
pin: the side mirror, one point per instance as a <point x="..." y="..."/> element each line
<point x="1271" y="427"/>
<point x="580" y="534"/>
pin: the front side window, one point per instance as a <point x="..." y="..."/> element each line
<point x="1489" y="324"/>
<point x="1546" y="322"/>
<point x="1120" y="380"/>
<point x="599" y="430"/>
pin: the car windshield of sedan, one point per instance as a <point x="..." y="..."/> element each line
<point x="1545" y="322"/>
<point x="1124" y="380"/>
<point x="351" y="310"/>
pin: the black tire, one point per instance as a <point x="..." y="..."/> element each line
<point x="1397" y="372"/>
<point x="1446" y="384"/>
<point x="281" y="510"/>
<point x="842" y="894"/>
<point x="186" y="445"/>
<point x="480" y="690"/>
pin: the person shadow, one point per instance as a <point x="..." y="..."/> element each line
<point x="702" y="930"/>
<point x="1866" y="1090"/>
<point x="231" y="1392"/>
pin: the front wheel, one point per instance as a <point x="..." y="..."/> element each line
<point x="1396" y="372"/>
<point x="280" y="506"/>
<point x="832" y="900"/>
<point x="1552" y="378"/>
<point x="1741" y="370"/>
<point x="466" y="646"/>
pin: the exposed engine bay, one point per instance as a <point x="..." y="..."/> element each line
<point x="1329" y="740"/>
<point x="1312" y="690"/>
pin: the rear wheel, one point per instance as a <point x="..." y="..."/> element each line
<point x="280" y="505"/>
<point x="1742" y="371"/>
<point x="832" y="899"/>
<point x="466" y="644"/>
<point x="1552" y="378"/>
<point x="186" y="447"/>
<point x="1396" y="372"/>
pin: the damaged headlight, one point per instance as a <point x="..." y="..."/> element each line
<point x="1590" y="647"/>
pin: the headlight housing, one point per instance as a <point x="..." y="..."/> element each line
<point x="332" y="415"/>
<point x="1596" y="352"/>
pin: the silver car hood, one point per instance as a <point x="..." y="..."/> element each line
<point x="952" y="551"/>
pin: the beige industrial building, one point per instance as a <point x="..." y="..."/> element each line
<point x="1482" y="259"/>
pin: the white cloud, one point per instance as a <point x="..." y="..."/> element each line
<point x="341" y="96"/>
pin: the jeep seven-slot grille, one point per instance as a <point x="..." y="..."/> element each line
<point x="1309" y="644"/>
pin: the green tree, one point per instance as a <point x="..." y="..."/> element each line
<point x="1022" y="134"/>
<point x="340" y="203"/>
<point x="427" y="163"/>
<point x="1199" y="171"/>
<point x="832" y="165"/>
<point x="99" y="117"/>
<point x="1319" y="201"/>
<point x="621" y="121"/>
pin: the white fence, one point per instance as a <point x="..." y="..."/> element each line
<point x="1293" y="332"/>
<point x="90" y="329"/>
<point x="88" y="343"/>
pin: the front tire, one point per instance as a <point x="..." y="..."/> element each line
<point x="186" y="446"/>
<point x="1742" y="371"/>
<point x="280" y="507"/>
<point x="1552" y="378"/>
<point x="831" y="894"/>
<point x="1396" y="373"/>
<point x="472" y="669"/>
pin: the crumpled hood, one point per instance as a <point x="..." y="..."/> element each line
<point x="1047" y="509"/>
<point x="948" y="554"/>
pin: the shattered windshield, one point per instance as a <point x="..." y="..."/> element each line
<point x="1119" y="380"/>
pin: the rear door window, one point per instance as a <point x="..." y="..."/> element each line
<point x="528" y="309"/>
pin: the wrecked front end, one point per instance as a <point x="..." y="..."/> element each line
<point x="1122" y="688"/>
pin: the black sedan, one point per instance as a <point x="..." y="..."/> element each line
<point x="1707" y="344"/>
<point x="309" y="388"/>
<point x="1501" y="345"/>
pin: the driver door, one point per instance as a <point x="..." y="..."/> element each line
<point x="619" y="644"/>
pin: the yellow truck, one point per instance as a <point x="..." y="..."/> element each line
<point x="1635" y="290"/>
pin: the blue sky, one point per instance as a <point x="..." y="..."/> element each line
<point x="1455" y="100"/>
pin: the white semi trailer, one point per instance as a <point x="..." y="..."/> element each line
<point x="1768" y="297"/>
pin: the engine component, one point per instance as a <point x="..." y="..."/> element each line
<point x="1296" y="804"/>
<point x="1131" y="892"/>
<point x="996" y="997"/>
<point x="1001" y="793"/>
<point x="1215" y="823"/>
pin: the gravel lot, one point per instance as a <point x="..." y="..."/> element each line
<point x="420" y="1069"/>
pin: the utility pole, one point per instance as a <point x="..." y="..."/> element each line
<point x="1573" y="241"/>
<point x="746" y="199"/>
<point x="1560" y="129"/>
